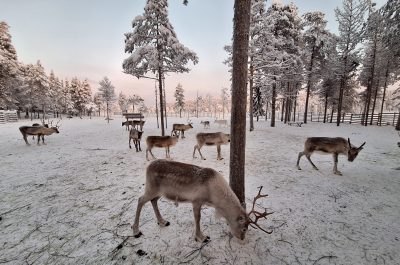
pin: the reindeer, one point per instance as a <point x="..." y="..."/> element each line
<point x="38" y="125"/>
<point x="40" y="131"/>
<point x="136" y="136"/>
<point x="180" y="128"/>
<point x="206" y="124"/>
<point x="135" y="123"/>
<point x="181" y="182"/>
<point x="160" y="141"/>
<point x="326" y="145"/>
<point x="221" y="122"/>
<point x="217" y="139"/>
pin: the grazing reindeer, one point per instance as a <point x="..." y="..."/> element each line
<point x="206" y="124"/>
<point x="334" y="146"/>
<point x="136" y="136"/>
<point x="221" y="122"/>
<point x="181" y="182"/>
<point x="40" y="131"/>
<point x="217" y="139"/>
<point x="160" y="141"/>
<point x="180" y="128"/>
<point x="135" y="124"/>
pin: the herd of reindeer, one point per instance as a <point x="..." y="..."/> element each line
<point x="181" y="182"/>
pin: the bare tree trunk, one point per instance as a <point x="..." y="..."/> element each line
<point x="158" y="125"/>
<point x="310" y="68"/>
<point x="241" y="27"/>
<point x="384" y="90"/>
<point x="374" y="102"/>
<point x="273" y="103"/>
<point x="325" y="106"/>
<point x="108" y="117"/>
<point x="251" y="103"/>
<point x="283" y="108"/>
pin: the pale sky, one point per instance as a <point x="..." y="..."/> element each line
<point x="85" y="38"/>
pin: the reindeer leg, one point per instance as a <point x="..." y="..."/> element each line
<point x="135" y="227"/>
<point x="335" y="161"/>
<point x="149" y="151"/>
<point x="194" y="150"/>
<point x="201" y="155"/>
<point x="309" y="159"/>
<point x="25" y="139"/>
<point x="219" y="152"/>
<point x="183" y="134"/>
<point x="38" y="139"/>
<point x="43" y="139"/>
<point x="160" y="220"/>
<point x="130" y="143"/>
<point x="298" y="160"/>
<point x="140" y="149"/>
<point x="199" y="236"/>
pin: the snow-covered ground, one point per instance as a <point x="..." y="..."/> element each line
<point x="73" y="200"/>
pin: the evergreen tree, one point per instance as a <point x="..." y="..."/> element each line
<point x="179" y="99"/>
<point x="155" y="48"/>
<point x="9" y="68"/>
<point x="123" y="102"/>
<point x="351" y="22"/>
<point x="315" y="36"/>
<point x="107" y="94"/>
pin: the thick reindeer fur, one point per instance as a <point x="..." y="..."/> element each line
<point x="180" y="128"/>
<point x="217" y="139"/>
<point x="40" y="131"/>
<point x="335" y="146"/>
<point x="180" y="182"/>
<point x="160" y="141"/>
<point x="136" y="136"/>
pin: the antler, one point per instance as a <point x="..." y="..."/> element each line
<point x="258" y="215"/>
<point x="58" y="126"/>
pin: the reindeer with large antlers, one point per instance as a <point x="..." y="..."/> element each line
<point x="335" y="146"/>
<point x="40" y="131"/>
<point x="181" y="182"/>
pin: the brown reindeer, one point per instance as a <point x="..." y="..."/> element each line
<point x="40" y="131"/>
<point x="135" y="124"/>
<point x="181" y="182"/>
<point x="221" y="122"/>
<point x="206" y="124"/>
<point x="160" y="141"/>
<point x="335" y="146"/>
<point x="38" y="125"/>
<point x="136" y="136"/>
<point x="176" y="128"/>
<point x="217" y="139"/>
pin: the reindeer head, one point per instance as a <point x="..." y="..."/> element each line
<point x="239" y="225"/>
<point x="353" y="151"/>
<point x="56" y="127"/>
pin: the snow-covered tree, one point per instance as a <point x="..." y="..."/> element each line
<point x="98" y="101"/>
<point x="315" y="36"/>
<point x="179" y="99"/>
<point x="135" y="100"/>
<point x="37" y="85"/>
<point x="155" y="48"/>
<point x="107" y="94"/>
<point x="9" y="68"/>
<point x="81" y="94"/>
<point x="123" y="102"/>
<point x="351" y="23"/>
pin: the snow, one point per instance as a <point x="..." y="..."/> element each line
<point x="73" y="200"/>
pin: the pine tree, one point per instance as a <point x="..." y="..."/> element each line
<point x="155" y="48"/>
<point x="315" y="36"/>
<point x="351" y="22"/>
<point x="9" y="69"/>
<point x="179" y="99"/>
<point x="123" y="102"/>
<point x="107" y="94"/>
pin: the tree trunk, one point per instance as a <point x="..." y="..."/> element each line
<point x="310" y="68"/>
<point x="384" y="90"/>
<point x="283" y="108"/>
<point x="158" y="124"/>
<point x="251" y="97"/>
<point x="273" y="103"/>
<point x="340" y="103"/>
<point x="108" y="118"/>
<point x="374" y="102"/>
<point x="180" y="113"/>
<point x="333" y="110"/>
<point x="239" y="98"/>
<point x="161" y="101"/>
<point x="325" y="106"/>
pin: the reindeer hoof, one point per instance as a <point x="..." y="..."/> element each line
<point x="205" y="240"/>
<point x="166" y="223"/>
<point x="138" y="235"/>
<point x="338" y="173"/>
